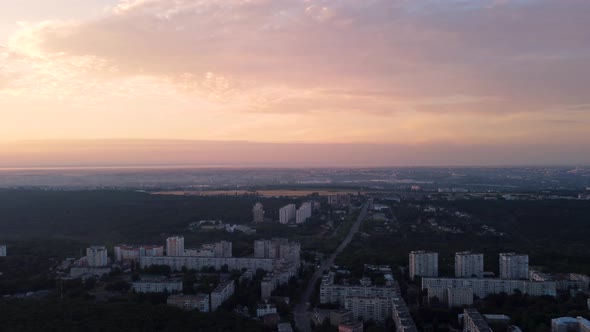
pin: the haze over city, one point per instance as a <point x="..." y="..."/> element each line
<point x="294" y="83"/>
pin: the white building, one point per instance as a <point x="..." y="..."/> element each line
<point x="423" y="264"/>
<point x="304" y="212"/>
<point x="97" y="256"/>
<point x="265" y="309"/>
<point x="127" y="253"/>
<point x="221" y="293"/>
<point x="287" y="213"/>
<point x="570" y="324"/>
<point x="484" y="287"/>
<point x="157" y="286"/>
<point x="175" y="246"/>
<point x="468" y="265"/>
<point x="2" y="251"/>
<point x="258" y="213"/>
<point x="514" y="266"/>
<point x="190" y="302"/>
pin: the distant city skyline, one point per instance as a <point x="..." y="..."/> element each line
<point x="310" y="82"/>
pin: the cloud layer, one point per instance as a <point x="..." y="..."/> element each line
<point x="394" y="71"/>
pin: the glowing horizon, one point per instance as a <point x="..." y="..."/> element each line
<point x="420" y="74"/>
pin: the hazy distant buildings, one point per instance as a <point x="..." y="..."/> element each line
<point x="96" y="256"/>
<point x="258" y="213"/>
<point x="278" y="248"/>
<point x="2" y="251"/>
<point x="424" y="264"/>
<point x="468" y="265"/>
<point x="514" y="266"/>
<point x="127" y="253"/>
<point x="339" y="200"/>
<point x="175" y="246"/>
<point x="304" y="212"/>
<point x="287" y="214"/>
<point x="189" y="302"/>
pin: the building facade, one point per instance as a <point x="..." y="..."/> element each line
<point x="451" y="297"/>
<point x="367" y="308"/>
<point x="175" y="246"/>
<point x="468" y="265"/>
<point x="287" y="213"/>
<point x="258" y="213"/>
<point x="221" y="293"/>
<point x="96" y="256"/>
<point x="401" y="316"/>
<point x="514" y="266"/>
<point x="473" y="321"/>
<point x="304" y="212"/>
<point x="423" y="264"/>
<point x="484" y="287"/>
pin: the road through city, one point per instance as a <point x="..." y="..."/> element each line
<point x="302" y="316"/>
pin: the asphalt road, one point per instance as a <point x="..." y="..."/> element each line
<point x="302" y="316"/>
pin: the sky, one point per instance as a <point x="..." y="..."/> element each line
<point x="494" y="82"/>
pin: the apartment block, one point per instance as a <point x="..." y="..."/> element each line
<point x="484" y="287"/>
<point x="221" y="293"/>
<point x="96" y="256"/>
<point x="423" y="264"/>
<point x="287" y="214"/>
<point x="468" y="265"/>
<point x="258" y="213"/>
<point x="514" y="266"/>
<point x="175" y="246"/>
<point x="473" y="321"/>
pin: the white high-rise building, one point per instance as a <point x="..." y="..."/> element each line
<point x="468" y="264"/>
<point x="97" y="256"/>
<point x="175" y="246"/>
<point x="514" y="266"/>
<point x="423" y="264"/>
<point x="304" y="212"/>
<point x="287" y="213"/>
<point x="2" y="251"/>
<point x="258" y="213"/>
